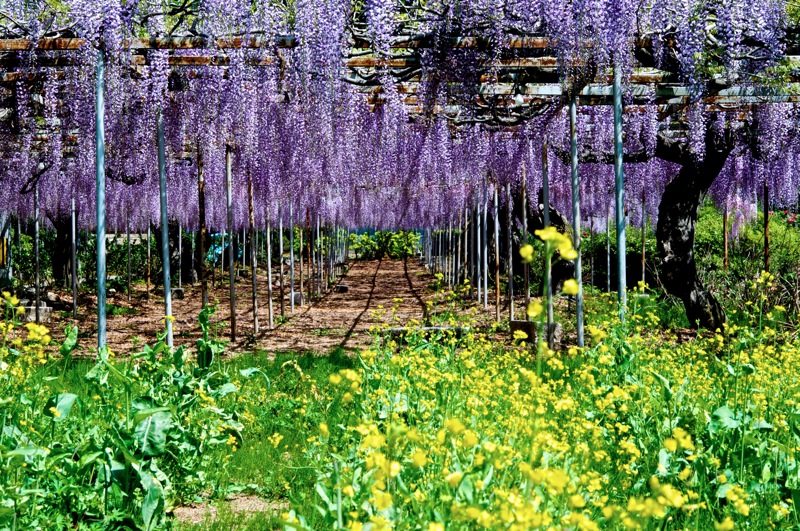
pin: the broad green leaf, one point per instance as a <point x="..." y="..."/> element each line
<point x="252" y="371"/>
<point x="153" y="502"/>
<point x="225" y="390"/>
<point x="70" y="341"/>
<point x="59" y="406"/>
<point x="725" y="417"/>
<point x="144" y="413"/>
<point x="151" y="433"/>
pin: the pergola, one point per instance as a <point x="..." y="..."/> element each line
<point x="518" y="80"/>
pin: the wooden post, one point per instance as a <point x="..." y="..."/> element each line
<point x="302" y="291"/>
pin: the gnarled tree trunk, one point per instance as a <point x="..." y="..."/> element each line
<point x="677" y="218"/>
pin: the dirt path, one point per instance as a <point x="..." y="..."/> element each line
<point x="378" y="291"/>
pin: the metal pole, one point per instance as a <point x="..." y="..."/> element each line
<point x="479" y="251"/>
<point x="74" y="264"/>
<point x="485" y="229"/>
<point x="280" y="258"/>
<point x="148" y="260"/>
<point x="36" y="250"/>
<point x="100" y="173"/>
<point x="162" y="180"/>
<point x="510" y="265"/>
<point x="231" y="265"/>
<point x="253" y="269"/>
<point x="766" y="226"/>
<point x="128" y="252"/>
<point x="608" y="251"/>
<point x="526" y="267"/>
<point x="269" y="275"/>
<point x="644" y="239"/>
<point x="291" y="256"/>
<point x="202" y="233"/>
<point x="576" y="215"/>
<point x="619" y="178"/>
<point x="548" y="263"/>
<point x="725" y="237"/>
<point x="496" y="254"/>
<point x="180" y="256"/>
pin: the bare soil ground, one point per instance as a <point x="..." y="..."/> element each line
<point x="378" y="291"/>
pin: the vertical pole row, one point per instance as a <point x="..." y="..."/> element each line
<point x="608" y="251"/>
<point x="100" y="173"/>
<point x="231" y="265"/>
<point x="479" y="251"/>
<point x="162" y="185"/>
<point x="619" y="179"/>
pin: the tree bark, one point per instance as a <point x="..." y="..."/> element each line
<point x="677" y="219"/>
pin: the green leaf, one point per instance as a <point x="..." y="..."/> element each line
<point x="225" y="390"/>
<point x="59" y="406"/>
<point x="153" y="502"/>
<point x="252" y="371"/>
<point x="725" y="418"/>
<point x="151" y="433"/>
<point x="144" y="413"/>
<point x="70" y="341"/>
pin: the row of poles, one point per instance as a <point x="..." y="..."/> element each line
<point x="327" y="255"/>
<point x="467" y="257"/>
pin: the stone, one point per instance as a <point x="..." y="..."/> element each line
<point x="51" y="297"/>
<point x="45" y="313"/>
<point x="341" y="288"/>
<point x="177" y="293"/>
<point x="298" y="299"/>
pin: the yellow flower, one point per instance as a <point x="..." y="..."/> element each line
<point x="349" y="491"/>
<point x="454" y="479"/>
<point x="570" y="287"/>
<point x="576" y="501"/>
<point x="519" y="335"/>
<point x="535" y="309"/>
<point x="725" y="525"/>
<point x="335" y="379"/>
<point x="324" y="431"/>
<point x="435" y="526"/>
<point x="454" y="426"/>
<point x="470" y="438"/>
<point x="526" y="252"/>
<point x="419" y="459"/>
<point x="383" y="500"/>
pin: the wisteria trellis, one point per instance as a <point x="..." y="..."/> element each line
<point x="303" y="132"/>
